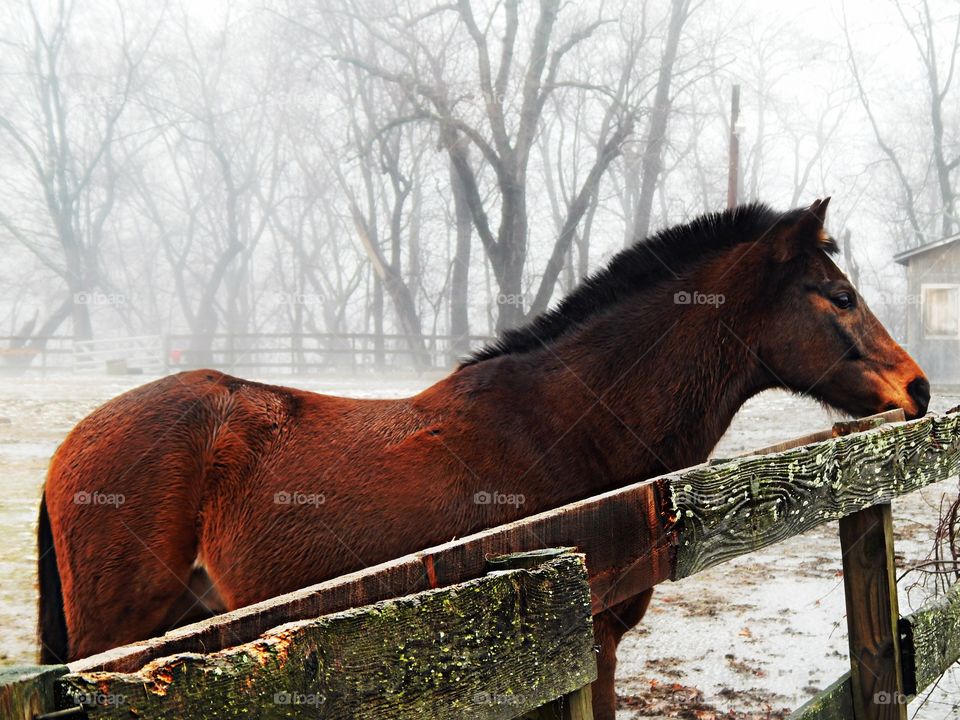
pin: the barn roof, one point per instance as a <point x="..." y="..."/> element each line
<point x="904" y="257"/>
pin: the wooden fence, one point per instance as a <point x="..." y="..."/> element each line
<point x="665" y="528"/>
<point x="241" y="353"/>
<point x="48" y="354"/>
<point x="515" y="641"/>
<point x="306" y="353"/>
<point x="144" y="354"/>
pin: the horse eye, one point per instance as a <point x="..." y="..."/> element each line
<point x="843" y="300"/>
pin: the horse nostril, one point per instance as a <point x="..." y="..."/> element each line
<point x="919" y="391"/>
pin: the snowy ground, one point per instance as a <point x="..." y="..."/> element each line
<point x="750" y="638"/>
<point x="760" y="635"/>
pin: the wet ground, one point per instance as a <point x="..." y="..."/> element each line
<point x="749" y="639"/>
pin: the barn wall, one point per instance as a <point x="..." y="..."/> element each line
<point x="939" y="357"/>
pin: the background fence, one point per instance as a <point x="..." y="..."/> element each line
<point x="245" y="354"/>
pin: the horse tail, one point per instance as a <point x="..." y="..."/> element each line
<point x="52" y="628"/>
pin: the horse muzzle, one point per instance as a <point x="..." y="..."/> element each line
<point x="918" y="391"/>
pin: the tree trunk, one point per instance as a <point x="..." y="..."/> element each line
<point x="460" y="281"/>
<point x="652" y="161"/>
<point x="508" y="265"/>
<point x="379" y="354"/>
<point x="399" y="293"/>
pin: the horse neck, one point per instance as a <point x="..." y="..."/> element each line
<point x="645" y="390"/>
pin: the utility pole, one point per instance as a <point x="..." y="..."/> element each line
<point x="733" y="171"/>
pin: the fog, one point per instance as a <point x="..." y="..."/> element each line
<point x="297" y="185"/>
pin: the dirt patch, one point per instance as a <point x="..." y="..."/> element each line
<point x="675" y="700"/>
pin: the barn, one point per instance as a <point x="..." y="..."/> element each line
<point x="933" y="313"/>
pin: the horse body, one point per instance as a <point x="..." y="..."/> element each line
<point x="269" y="489"/>
<point x="234" y="491"/>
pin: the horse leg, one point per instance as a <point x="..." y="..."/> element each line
<point x="122" y="566"/>
<point x="104" y="611"/>
<point x="200" y="600"/>
<point x="609" y="627"/>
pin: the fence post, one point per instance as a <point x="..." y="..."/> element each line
<point x="26" y="692"/>
<point x="870" y="587"/>
<point x="577" y="705"/>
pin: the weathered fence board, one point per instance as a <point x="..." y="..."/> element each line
<point x="494" y="647"/>
<point x="834" y="703"/>
<point x="634" y="537"/>
<point x="931" y="640"/>
<point x="870" y="589"/>
<point x="744" y="504"/>
<point x="620" y="531"/>
<point x="27" y="691"/>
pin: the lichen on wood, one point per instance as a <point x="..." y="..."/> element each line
<point x="28" y="691"/>
<point x="733" y="508"/>
<point x="932" y="639"/>
<point x="494" y="647"/>
<point x="834" y="703"/>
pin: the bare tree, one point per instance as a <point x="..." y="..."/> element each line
<point x="382" y="154"/>
<point x="224" y="162"/>
<point x="513" y="91"/>
<point x="651" y="160"/>
<point x="65" y="144"/>
<point x="938" y="64"/>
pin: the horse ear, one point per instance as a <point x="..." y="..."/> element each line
<point x="804" y="231"/>
<point x="819" y="210"/>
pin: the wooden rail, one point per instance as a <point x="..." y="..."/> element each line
<point x="311" y="352"/>
<point x="929" y="643"/>
<point x="250" y="352"/>
<point x="143" y="354"/>
<point x="500" y="646"/>
<point x="931" y="640"/>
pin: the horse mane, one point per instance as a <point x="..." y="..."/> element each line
<point x="646" y="263"/>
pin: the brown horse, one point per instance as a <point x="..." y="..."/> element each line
<point x="202" y="492"/>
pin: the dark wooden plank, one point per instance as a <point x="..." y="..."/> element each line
<point x="834" y="703"/>
<point x="490" y="648"/>
<point x="930" y="640"/>
<point x="28" y="691"/>
<point x="395" y="579"/>
<point x="845" y="427"/>
<point x="732" y="508"/>
<point x="870" y="588"/>
<point x="575" y="706"/>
